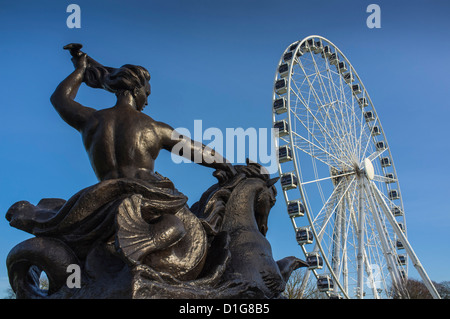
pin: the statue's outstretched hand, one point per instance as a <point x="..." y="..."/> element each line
<point x="225" y="173"/>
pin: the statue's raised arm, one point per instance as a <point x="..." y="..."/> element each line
<point x="72" y="112"/>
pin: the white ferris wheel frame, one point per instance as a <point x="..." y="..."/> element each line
<point x="375" y="200"/>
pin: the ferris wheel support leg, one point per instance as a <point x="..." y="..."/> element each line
<point x="360" y="235"/>
<point x="414" y="259"/>
<point x="344" y="248"/>
<point x="337" y="236"/>
<point x="366" y="259"/>
<point x="395" y="275"/>
<point x="304" y="282"/>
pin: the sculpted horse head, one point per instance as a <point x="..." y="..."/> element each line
<point x="240" y="207"/>
<point x="252" y="197"/>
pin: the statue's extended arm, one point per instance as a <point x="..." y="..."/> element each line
<point x="192" y="150"/>
<point x="72" y="112"/>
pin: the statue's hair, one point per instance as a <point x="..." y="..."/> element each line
<point x="116" y="80"/>
<point x="126" y="78"/>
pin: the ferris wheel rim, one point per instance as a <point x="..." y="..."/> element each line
<point x="295" y="161"/>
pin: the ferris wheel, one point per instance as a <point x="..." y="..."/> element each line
<point x="338" y="176"/>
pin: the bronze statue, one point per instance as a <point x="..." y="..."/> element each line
<point x="132" y="234"/>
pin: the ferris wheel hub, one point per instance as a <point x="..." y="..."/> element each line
<point x="368" y="168"/>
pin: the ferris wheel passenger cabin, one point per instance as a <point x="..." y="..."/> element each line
<point x="326" y="52"/>
<point x="279" y="106"/>
<point x="282" y="126"/>
<point x="396" y="211"/>
<point x="283" y="69"/>
<point x="325" y="283"/>
<point x="403" y="274"/>
<point x="390" y="178"/>
<point x="385" y="162"/>
<point x="284" y="154"/>
<point x="401" y="260"/>
<point x="369" y="116"/>
<point x="289" y="57"/>
<point x="375" y="130"/>
<point x="281" y="86"/>
<point x="304" y="236"/>
<point x="310" y="45"/>
<point x="362" y="101"/>
<point x="295" y="209"/>
<point x="314" y="260"/>
<point x="288" y="181"/>
<point x="319" y="47"/>
<point x="333" y="58"/>
<point x="393" y="194"/>
<point x="293" y="46"/>
<point x="380" y="145"/>
<point x="342" y="67"/>
<point x="348" y="77"/>
<point x="399" y="244"/>
<point x="356" y="89"/>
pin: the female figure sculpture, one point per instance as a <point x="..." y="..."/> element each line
<point x="132" y="233"/>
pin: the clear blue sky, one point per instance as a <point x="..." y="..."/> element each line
<point x="215" y="61"/>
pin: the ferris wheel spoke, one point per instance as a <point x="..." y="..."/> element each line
<point x="366" y="142"/>
<point x="376" y="154"/>
<point x="327" y="206"/>
<point x="336" y="143"/>
<point x="339" y="92"/>
<point x="336" y="124"/>
<point x="334" y="207"/>
<point x="330" y="152"/>
<point x="384" y="179"/>
<point x="317" y="151"/>
<point x="328" y="178"/>
<point x="338" y="97"/>
<point x="360" y="133"/>
<point x="310" y="133"/>
<point x="385" y="199"/>
<point x="345" y="136"/>
<point x="320" y="240"/>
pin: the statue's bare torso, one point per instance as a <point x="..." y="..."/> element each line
<point x="122" y="143"/>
